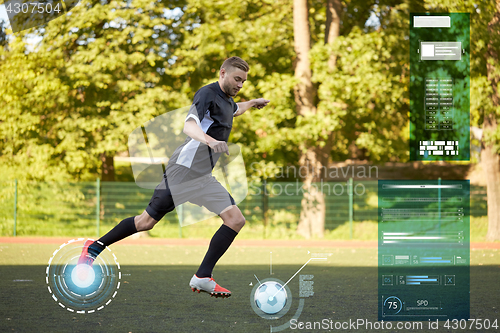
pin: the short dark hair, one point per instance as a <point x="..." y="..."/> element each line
<point x="235" y="62"/>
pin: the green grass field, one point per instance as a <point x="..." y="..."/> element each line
<point x="155" y="296"/>
<point x="361" y="230"/>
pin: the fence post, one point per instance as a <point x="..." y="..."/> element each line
<point x="15" y="207"/>
<point x="264" y="205"/>
<point x="351" y="185"/>
<point x="98" y="206"/>
<point x="181" y="219"/>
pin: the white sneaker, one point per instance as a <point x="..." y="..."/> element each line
<point x="208" y="285"/>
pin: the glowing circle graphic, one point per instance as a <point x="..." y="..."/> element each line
<point x="82" y="288"/>
<point x="83" y="275"/>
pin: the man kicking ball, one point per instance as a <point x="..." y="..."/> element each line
<point x="188" y="174"/>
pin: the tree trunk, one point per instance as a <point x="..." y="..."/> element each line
<point x="312" y="216"/>
<point x="489" y="156"/>
<point x="491" y="166"/>
<point x="304" y="91"/>
<point x="332" y="31"/>
<point x="108" y="168"/>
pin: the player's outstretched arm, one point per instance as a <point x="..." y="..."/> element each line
<point x="194" y="131"/>
<point x="258" y="103"/>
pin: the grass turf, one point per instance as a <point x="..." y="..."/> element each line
<point x="361" y="230"/>
<point x="155" y="296"/>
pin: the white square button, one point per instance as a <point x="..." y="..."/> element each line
<point x="427" y="50"/>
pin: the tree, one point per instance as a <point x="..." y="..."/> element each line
<point x="312" y="215"/>
<point x="337" y="82"/>
<point x="3" y="36"/>
<point x="490" y="152"/>
<point x="278" y="135"/>
<point x="261" y="32"/>
<point x="360" y="73"/>
<point x="98" y="73"/>
<point x="332" y="29"/>
<point x="485" y="97"/>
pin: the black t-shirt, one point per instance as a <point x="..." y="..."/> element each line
<point x="213" y="111"/>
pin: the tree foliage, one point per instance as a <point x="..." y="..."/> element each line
<point x="94" y="77"/>
<point x="485" y="96"/>
<point x="108" y="66"/>
<point x="111" y="65"/>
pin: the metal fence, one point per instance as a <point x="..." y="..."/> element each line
<point x="92" y="208"/>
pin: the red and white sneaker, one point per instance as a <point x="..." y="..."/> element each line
<point x="208" y="285"/>
<point x="85" y="257"/>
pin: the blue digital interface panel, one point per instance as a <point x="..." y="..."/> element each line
<point x="423" y="250"/>
<point x="440" y="87"/>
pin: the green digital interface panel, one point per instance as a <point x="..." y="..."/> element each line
<point x="440" y="87"/>
<point x="423" y="250"/>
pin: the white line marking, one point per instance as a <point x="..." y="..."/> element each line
<point x="257" y="279"/>
<point x="271" y="267"/>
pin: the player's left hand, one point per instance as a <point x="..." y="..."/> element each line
<point x="260" y="103"/>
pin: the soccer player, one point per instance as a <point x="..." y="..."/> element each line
<point x="188" y="174"/>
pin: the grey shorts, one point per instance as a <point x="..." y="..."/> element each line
<point x="203" y="191"/>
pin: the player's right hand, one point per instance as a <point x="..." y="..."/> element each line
<point x="219" y="146"/>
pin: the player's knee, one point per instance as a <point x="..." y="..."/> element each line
<point x="151" y="223"/>
<point x="233" y="218"/>
<point x="144" y="222"/>
<point x="147" y="226"/>
<point x="240" y="221"/>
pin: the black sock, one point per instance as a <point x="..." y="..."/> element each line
<point x="220" y="242"/>
<point x="124" y="229"/>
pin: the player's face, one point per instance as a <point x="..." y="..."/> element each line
<point x="232" y="80"/>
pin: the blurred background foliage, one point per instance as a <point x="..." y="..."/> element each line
<point x="73" y="89"/>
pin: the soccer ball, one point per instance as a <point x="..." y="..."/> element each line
<point x="270" y="297"/>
